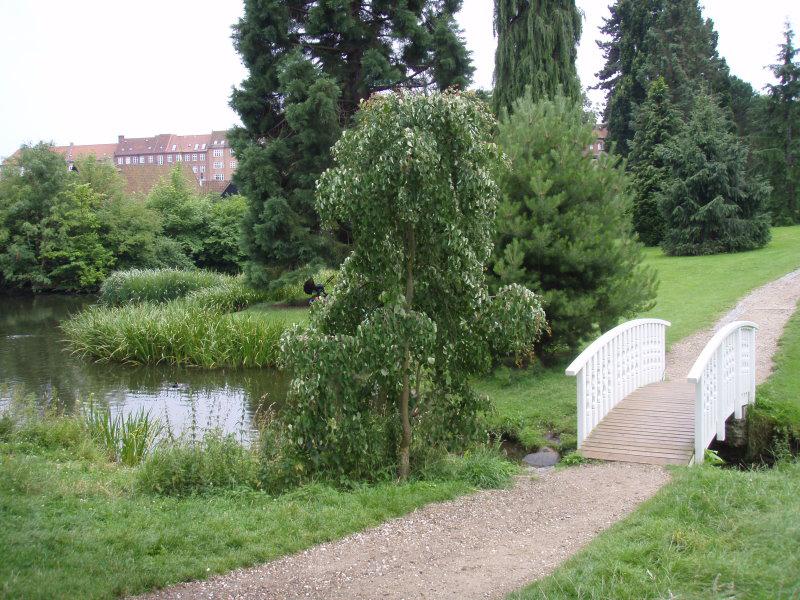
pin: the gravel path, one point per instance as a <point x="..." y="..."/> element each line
<point x="480" y="546"/>
<point x="490" y="543"/>
<point x="769" y="306"/>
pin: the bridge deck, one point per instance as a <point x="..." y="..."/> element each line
<point x="654" y="425"/>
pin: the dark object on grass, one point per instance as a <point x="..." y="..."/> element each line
<point x="315" y="290"/>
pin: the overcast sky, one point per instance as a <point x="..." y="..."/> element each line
<point x="88" y="70"/>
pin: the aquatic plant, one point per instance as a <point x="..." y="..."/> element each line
<point x="156" y="285"/>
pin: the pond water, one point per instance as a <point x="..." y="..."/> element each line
<point x="34" y="363"/>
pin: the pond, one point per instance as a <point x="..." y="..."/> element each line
<point x="34" y="363"/>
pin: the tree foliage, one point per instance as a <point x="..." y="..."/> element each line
<point x="310" y="64"/>
<point x="410" y="317"/>
<point x="778" y="141"/>
<point x="536" y="47"/>
<point x="711" y="203"/>
<point x="657" y="38"/>
<point x="563" y="226"/>
<point x="658" y="122"/>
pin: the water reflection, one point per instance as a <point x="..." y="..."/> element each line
<point x="34" y="362"/>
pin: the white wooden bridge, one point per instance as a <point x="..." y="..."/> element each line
<point x="628" y="412"/>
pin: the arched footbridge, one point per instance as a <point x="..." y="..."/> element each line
<point x="627" y="411"/>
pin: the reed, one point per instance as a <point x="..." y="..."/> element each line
<point x="125" y="439"/>
<point x="156" y="285"/>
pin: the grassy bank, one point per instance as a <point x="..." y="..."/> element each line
<point x="712" y="532"/>
<point x="694" y="291"/>
<point x="77" y="525"/>
<point x="207" y="327"/>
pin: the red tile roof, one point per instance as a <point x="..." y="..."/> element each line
<point x="145" y="145"/>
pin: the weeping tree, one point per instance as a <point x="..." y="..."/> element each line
<point x="536" y="47"/>
<point x="410" y="319"/>
<point x="711" y="203"/>
<point x="657" y="123"/>
<point x="309" y="65"/>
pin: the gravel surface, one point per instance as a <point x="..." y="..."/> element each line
<point x="770" y="307"/>
<point x="480" y="546"/>
<point x="490" y="543"/>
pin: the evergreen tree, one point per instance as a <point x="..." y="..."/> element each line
<point x="536" y="46"/>
<point x="711" y="203"/>
<point x="651" y="39"/>
<point x="780" y="137"/>
<point x="310" y="64"/>
<point x="656" y="125"/>
<point x="563" y="225"/>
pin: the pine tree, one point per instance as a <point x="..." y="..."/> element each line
<point x="310" y="64"/>
<point x="563" y="225"/>
<point x="711" y="203"/>
<point x="656" y="125"/>
<point x="651" y="39"/>
<point x="536" y="46"/>
<point x="780" y="137"/>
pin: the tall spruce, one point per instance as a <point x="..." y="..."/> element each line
<point x="657" y="123"/>
<point x="651" y="39"/>
<point x="711" y="204"/>
<point x="310" y="64"/>
<point x="537" y="47"/>
<point x="780" y="137"/>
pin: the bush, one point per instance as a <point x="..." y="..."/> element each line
<point x="182" y="468"/>
<point x="564" y="228"/>
<point x="155" y="285"/>
<point x="483" y="468"/>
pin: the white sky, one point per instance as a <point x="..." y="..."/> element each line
<point x="88" y="70"/>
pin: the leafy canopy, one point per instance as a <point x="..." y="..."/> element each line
<point x="410" y="317"/>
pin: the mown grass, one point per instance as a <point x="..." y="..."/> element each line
<point x="693" y="293"/>
<point x="78" y="526"/>
<point x="711" y="533"/>
<point x="156" y="285"/>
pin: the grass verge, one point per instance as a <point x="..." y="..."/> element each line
<point x="694" y="291"/>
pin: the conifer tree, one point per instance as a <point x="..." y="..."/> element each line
<point x="536" y="46"/>
<point x="711" y="204"/>
<point x="779" y="156"/>
<point x="656" y="125"/>
<point x="310" y="63"/>
<point x="651" y="39"/>
<point x="563" y="224"/>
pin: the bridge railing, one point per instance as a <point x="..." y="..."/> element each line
<point x="724" y="376"/>
<point x="620" y="361"/>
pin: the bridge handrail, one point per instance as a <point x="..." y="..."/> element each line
<point x="623" y="359"/>
<point x="720" y="392"/>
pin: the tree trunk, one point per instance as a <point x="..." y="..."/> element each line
<point x="405" y="442"/>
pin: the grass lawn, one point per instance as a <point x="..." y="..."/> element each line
<point x="694" y="291"/>
<point x="710" y="533"/>
<point x="75" y="528"/>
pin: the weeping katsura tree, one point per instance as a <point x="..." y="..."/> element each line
<point x="537" y="47"/>
<point x="410" y="318"/>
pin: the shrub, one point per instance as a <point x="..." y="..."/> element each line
<point x="155" y="285"/>
<point x="483" y="468"/>
<point x="564" y="228"/>
<point x="182" y="468"/>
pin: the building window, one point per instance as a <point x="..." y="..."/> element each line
<point x="216" y="153"/>
<point x="230" y="151"/>
<point x="169" y="158"/>
<point x="194" y="169"/>
<point x="202" y="168"/>
<point x="119" y="160"/>
<point x="174" y="147"/>
<point x="127" y="160"/>
<point x="187" y="157"/>
<point x="195" y="146"/>
<point x="219" y="165"/>
<point x="141" y="160"/>
<point x="219" y="177"/>
<point x="135" y="160"/>
<point x="178" y="157"/>
<point x="204" y="147"/>
<point x="160" y="159"/>
<point x="194" y="157"/>
<point x="203" y="158"/>
<point x="233" y="164"/>
<point x="150" y="159"/>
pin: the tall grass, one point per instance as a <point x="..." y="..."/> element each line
<point x="124" y="439"/>
<point x="156" y="285"/>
